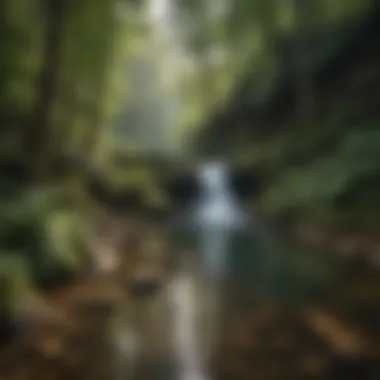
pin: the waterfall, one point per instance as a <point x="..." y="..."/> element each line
<point x="215" y="215"/>
<point x="217" y="206"/>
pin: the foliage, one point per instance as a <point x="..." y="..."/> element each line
<point x="314" y="183"/>
<point x="39" y="228"/>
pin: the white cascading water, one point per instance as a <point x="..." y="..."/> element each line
<point x="217" y="205"/>
<point x="215" y="214"/>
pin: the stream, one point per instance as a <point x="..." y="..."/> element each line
<point x="234" y="273"/>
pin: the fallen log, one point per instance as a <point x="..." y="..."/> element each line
<point x="343" y="338"/>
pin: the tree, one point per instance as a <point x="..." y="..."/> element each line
<point x="36" y="138"/>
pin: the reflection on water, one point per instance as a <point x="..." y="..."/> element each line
<point x="185" y="334"/>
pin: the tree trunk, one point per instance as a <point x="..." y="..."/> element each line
<point x="305" y="100"/>
<point x="92" y="133"/>
<point x="37" y="136"/>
